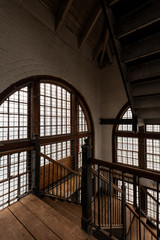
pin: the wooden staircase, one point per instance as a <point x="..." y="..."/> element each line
<point x="32" y="218"/>
<point x="135" y="29"/>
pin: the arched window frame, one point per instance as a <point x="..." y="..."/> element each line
<point x="27" y="144"/>
<point x="148" y="132"/>
<point x="142" y="135"/>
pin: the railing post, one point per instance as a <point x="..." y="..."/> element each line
<point x="157" y="210"/>
<point x="36" y="167"/>
<point x="110" y="202"/>
<point x="135" y="192"/>
<point x="86" y="188"/>
<point x="139" y="191"/>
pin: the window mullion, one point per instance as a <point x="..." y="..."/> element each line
<point x="36" y="108"/>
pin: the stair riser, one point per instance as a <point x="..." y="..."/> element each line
<point x="138" y="19"/>
<point x="142" y="71"/>
<point x="141" y="49"/>
<point x="146" y="88"/>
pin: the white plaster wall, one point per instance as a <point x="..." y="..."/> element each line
<point x="29" y="46"/>
<point x="113" y="99"/>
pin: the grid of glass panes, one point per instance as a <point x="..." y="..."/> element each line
<point x="152" y="205"/>
<point x="153" y="128"/>
<point x="129" y="191"/>
<point x="153" y="154"/>
<point x="126" y="127"/>
<point x="127" y="150"/>
<point x="81" y="143"/>
<point x="82" y="120"/>
<point x="14" y="178"/>
<point x="56" y="151"/>
<point x="55" y="110"/>
<point x="14" y="116"/>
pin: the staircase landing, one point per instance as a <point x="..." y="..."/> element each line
<point x="32" y="218"/>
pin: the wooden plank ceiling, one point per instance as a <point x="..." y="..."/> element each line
<point x="86" y="20"/>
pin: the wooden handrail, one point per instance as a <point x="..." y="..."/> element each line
<point x="16" y="151"/>
<point x="59" y="164"/>
<point x="116" y="173"/>
<point x="142" y="221"/>
<point x="127" y="169"/>
<point x="106" y="180"/>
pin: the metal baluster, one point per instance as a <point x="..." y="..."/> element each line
<point x="139" y="190"/>
<point x="44" y="174"/>
<point x="48" y="176"/>
<point x="64" y="195"/>
<point x="157" y="210"/>
<point x="94" y="199"/>
<point x="52" y="176"/>
<point x="108" y="203"/>
<point x="9" y="172"/>
<point x="130" y="224"/>
<point x="113" y="207"/>
<point x="102" y="200"/>
<point x="60" y="181"/>
<point x="67" y="184"/>
<point x="70" y="184"/>
<point x="105" y="197"/>
<point x="56" y="183"/>
<point x="116" y="217"/>
<point x="110" y="197"/>
<point x="98" y="199"/>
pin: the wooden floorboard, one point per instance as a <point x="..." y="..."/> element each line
<point x="63" y="227"/>
<point x="11" y="228"/>
<point x="36" y="227"/>
<point x="64" y="210"/>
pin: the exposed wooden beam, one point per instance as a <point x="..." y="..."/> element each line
<point x="116" y="121"/>
<point x="109" y="54"/>
<point x="97" y="49"/>
<point x="64" y="9"/>
<point x="113" y="2"/>
<point x="90" y="23"/>
<point x="104" y="47"/>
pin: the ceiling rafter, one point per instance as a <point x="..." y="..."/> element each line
<point x="63" y="11"/>
<point x="90" y="23"/>
<point x="104" y="47"/>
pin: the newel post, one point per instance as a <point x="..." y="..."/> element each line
<point x="36" y="166"/>
<point x="86" y="188"/>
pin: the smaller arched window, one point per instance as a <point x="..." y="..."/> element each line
<point x="126" y="142"/>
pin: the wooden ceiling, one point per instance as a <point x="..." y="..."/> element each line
<point x="85" y="19"/>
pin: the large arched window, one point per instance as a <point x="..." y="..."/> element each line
<point x="43" y="107"/>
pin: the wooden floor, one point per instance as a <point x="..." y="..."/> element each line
<point x="32" y="218"/>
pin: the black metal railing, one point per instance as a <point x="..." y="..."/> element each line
<point x="108" y="203"/>
<point x="59" y="181"/>
<point x="104" y="204"/>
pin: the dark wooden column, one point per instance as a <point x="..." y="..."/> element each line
<point x="86" y="188"/>
<point x="35" y="137"/>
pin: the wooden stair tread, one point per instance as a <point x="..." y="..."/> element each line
<point x="36" y="227"/>
<point x="11" y="228"/>
<point x="63" y="227"/>
<point x="63" y="210"/>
